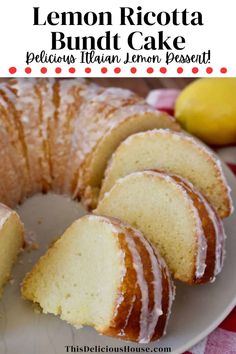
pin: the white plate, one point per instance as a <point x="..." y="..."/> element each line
<point x="196" y="312"/>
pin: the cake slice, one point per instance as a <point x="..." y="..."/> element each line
<point x="11" y="242"/>
<point x="175" y="217"/>
<point x="103" y="273"/>
<point x="172" y="152"/>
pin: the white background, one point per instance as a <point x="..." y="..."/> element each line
<point x="18" y="35"/>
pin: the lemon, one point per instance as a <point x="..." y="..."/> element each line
<point x="207" y="108"/>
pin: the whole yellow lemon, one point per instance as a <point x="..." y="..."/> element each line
<point x="207" y="108"/>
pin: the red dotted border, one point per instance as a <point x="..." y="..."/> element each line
<point x="117" y="70"/>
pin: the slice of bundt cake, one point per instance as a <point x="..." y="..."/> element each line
<point x="176" y="153"/>
<point x="175" y="217"/>
<point x="11" y="242"/>
<point x="103" y="273"/>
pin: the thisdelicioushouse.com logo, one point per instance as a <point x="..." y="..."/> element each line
<point x="100" y="43"/>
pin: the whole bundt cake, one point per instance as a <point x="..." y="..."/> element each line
<point x="175" y="217"/>
<point x="58" y="135"/>
<point x="103" y="273"/>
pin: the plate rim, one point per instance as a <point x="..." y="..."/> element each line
<point x="209" y="330"/>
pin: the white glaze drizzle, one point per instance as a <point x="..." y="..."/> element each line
<point x="5" y="213"/>
<point x="122" y="332"/>
<point x="218" y="228"/>
<point x="202" y="242"/>
<point x="27" y="105"/>
<point x="228" y="189"/>
<point x="148" y="320"/>
<point x="219" y="235"/>
<point x="90" y="136"/>
<point x="138" y="266"/>
<point x="157" y="284"/>
<point x="15" y="152"/>
<point x="157" y="264"/>
<point x="171" y="296"/>
<point x="177" y="136"/>
<point x="201" y="251"/>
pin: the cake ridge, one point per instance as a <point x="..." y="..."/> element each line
<point x="10" y="92"/>
<point x="157" y="310"/>
<point x="201" y="251"/>
<point x="67" y="130"/>
<point x="130" y="317"/>
<point x="12" y="142"/>
<point x="60" y="126"/>
<point x="206" y="228"/>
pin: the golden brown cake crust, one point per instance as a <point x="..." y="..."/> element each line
<point x="127" y="321"/>
<point x="55" y="127"/>
<point x="144" y="295"/>
<point x="207" y="240"/>
<point x="210" y="228"/>
<point x="8" y="215"/>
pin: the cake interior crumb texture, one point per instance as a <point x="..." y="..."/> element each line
<point x="176" y="153"/>
<point x="79" y="276"/>
<point x="162" y="211"/>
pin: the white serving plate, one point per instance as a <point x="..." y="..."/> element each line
<point x="196" y="312"/>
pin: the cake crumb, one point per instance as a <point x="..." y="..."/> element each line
<point x="37" y="309"/>
<point x="12" y="281"/>
<point x="30" y="243"/>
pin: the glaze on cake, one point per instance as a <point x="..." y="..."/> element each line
<point x="57" y="135"/>
<point x="135" y="292"/>
<point x="175" y="217"/>
<point x="11" y="242"/>
<point x="172" y="152"/>
<point x="60" y="133"/>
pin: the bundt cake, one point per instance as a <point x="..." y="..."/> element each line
<point x="172" y="152"/>
<point x="11" y="242"/>
<point x="175" y="217"/>
<point x="103" y="273"/>
<point x="59" y="134"/>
